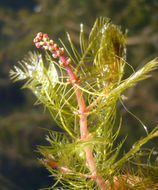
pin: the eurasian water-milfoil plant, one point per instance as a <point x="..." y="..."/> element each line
<point x="81" y="91"/>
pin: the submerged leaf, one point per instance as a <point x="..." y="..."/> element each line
<point x="108" y="48"/>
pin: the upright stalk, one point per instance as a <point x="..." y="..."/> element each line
<point x="43" y="41"/>
<point x="83" y="127"/>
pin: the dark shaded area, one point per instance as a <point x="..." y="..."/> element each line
<point x="23" y="177"/>
<point x="21" y="123"/>
<point x="13" y="96"/>
<point x="17" y="4"/>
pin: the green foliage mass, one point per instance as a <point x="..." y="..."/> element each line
<point x="19" y="121"/>
<point x="100" y="64"/>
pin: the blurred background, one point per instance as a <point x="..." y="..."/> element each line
<point x="22" y="124"/>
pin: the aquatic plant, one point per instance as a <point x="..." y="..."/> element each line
<point x="80" y="91"/>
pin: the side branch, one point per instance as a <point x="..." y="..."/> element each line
<point x="96" y="101"/>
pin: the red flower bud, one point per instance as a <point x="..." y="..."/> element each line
<point x="38" y="45"/>
<point x="40" y="34"/>
<point x="45" y="35"/>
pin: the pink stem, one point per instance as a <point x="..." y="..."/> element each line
<point x="83" y="128"/>
<point x="82" y="108"/>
